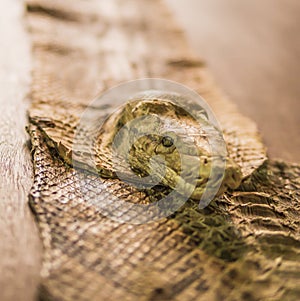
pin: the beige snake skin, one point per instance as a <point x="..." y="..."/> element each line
<point x="244" y="246"/>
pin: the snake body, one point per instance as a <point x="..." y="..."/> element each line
<point x="205" y="235"/>
<point x="244" y="246"/>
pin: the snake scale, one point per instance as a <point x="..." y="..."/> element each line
<point x="244" y="246"/>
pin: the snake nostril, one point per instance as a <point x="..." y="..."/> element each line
<point x="159" y="290"/>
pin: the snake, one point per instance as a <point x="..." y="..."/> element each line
<point x="243" y="246"/>
<point x="155" y="139"/>
<point x="54" y="155"/>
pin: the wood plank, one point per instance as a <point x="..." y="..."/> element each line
<point x="20" y="246"/>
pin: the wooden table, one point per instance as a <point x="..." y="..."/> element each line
<point x="20" y="247"/>
<point x="251" y="47"/>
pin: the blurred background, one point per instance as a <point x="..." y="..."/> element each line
<point x="252" y="47"/>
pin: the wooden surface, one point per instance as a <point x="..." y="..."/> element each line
<point x="19" y="241"/>
<point x="252" y="49"/>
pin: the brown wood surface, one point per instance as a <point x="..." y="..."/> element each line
<point x="19" y="241"/>
<point x="253" y="51"/>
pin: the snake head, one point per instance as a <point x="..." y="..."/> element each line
<point x="162" y="141"/>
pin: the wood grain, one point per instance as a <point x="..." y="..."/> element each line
<point x="252" y="49"/>
<point x="19" y="241"/>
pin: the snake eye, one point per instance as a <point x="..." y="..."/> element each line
<point x="167" y="141"/>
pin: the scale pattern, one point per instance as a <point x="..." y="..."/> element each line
<point x="244" y="246"/>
